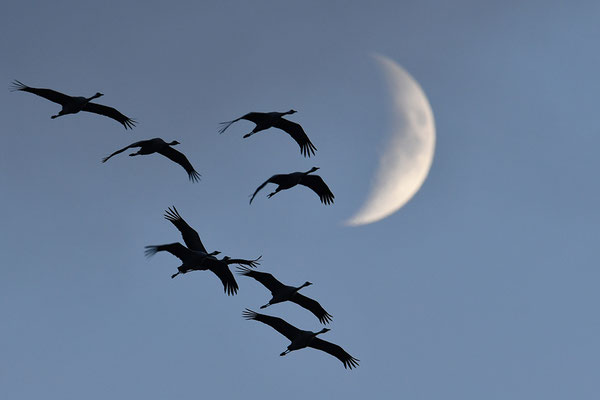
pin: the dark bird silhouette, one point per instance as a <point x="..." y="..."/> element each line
<point x="281" y="293"/>
<point x="193" y="242"/>
<point x="301" y="339"/>
<point x="209" y="261"/>
<point x="189" y="234"/>
<point x="275" y="120"/>
<point x="157" y="145"/>
<point x="72" y="105"/>
<point x="286" y="181"/>
<point x="197" y="261"/>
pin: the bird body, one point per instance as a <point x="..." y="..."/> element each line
<point x="287" y="181"/>
<point x="268" y="120"/>
<point x="300" y="339"/>
<point x="264" y="120"/>
<point x="193" y="260"/>
<point x="157" y="145"/>
<point x="281" y="293"/>
<point x="303" y="339"/>
<point x="75" y="104"/>
<point x="284" y="294"/>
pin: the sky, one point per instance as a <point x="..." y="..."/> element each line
<point x="483" y="286"/>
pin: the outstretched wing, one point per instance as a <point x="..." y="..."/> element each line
<point x="136" y="144"/>
<point x="267" y="280"/>
<point x="110" y="112"/>
<point x="48" y="94"/>
<point x="177" y="249"/>
<point x="336" y="351"/>
<point x="298" y="134"/>
<point x="182" y="160"/>
<point x="272" y="179"/>
<point x="313" y="306"/>
<point x="287" y="330"/>
<point x="189" y="235"/>
<point x="221" y="269"/>
<point x="318" y="185"/>
<point x="241" y="261"/>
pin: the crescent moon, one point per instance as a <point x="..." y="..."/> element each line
<point x="408" y="156"/>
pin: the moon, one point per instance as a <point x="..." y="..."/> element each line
<point x="405" y="163"/>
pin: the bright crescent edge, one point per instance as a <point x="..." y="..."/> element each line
<point x="405" y="164"/>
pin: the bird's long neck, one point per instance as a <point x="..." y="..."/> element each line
<point x="321" y="331"/>
<point x="301" y="286"/>
<point x="93" y="97"/>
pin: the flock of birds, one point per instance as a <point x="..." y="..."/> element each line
<point x="194" y="256"/>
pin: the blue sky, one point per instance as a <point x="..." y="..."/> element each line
<point x="482" y="286"/>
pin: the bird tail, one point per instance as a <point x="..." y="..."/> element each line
<point x="17" y="85"/>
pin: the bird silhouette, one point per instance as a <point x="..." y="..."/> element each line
<point x="301" y="339"/>
<point x="157" y="145"/>
<point x="275" y="120"/>
<point x="281" y="293"/>
<point x="189" y="235"/>
<point x="197" y="261"/>
<point x="287" y="181"/>
<point x="193" y="242"/>
<point x="72" y="105"/>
